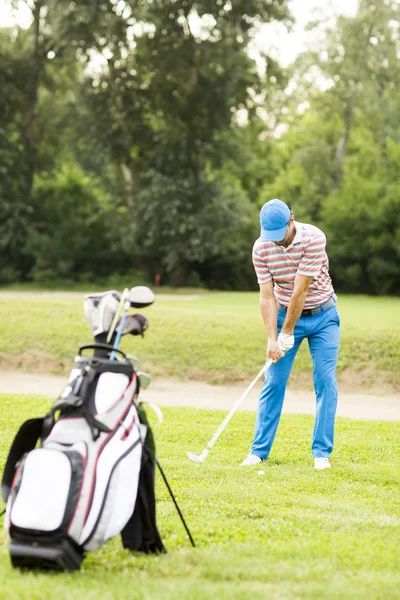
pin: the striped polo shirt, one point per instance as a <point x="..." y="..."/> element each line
<point x="306" y="255"/>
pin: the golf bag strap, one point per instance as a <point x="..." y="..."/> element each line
<point x="25" y="441"/>
<point x="76" y="404"/>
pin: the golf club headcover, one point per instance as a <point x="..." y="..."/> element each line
<point x="143" y="324"/>
<point x="134" y="324"/>
<point x="100" y="310"/>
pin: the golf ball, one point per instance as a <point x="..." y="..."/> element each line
<point x="260" y="472"/>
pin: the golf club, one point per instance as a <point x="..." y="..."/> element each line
<point x="134" y="325"/>
<point x="201" y="457"/>
<point x="139" y="297"/>
<point x="120" y="328"/>
<point x="117" y="315"/>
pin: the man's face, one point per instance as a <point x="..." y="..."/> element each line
<point x="288" y="233"/>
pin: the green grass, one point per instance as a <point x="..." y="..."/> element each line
<point x="214" y="336"/>
<point x="291" y="534"/>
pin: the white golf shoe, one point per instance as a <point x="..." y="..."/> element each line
<point x="251" y="459"/>
<point x="322" y="462"/>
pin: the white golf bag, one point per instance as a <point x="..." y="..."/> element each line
<point x="79" y="487"/>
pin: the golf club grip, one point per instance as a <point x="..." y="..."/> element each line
<point x="119" y="331"/>
<point x="118" y="313"/>
<point x="236" y="406"/>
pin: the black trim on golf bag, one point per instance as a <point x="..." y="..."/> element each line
<point x="91" y="477"/>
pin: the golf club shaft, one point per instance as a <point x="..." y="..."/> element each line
<point x="120" y="329"/>
<point x="236" y="406"/>
<point x="117" y="315"/>
<point x="201" y="458"/>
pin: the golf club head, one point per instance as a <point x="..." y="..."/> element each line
<point x="134" y="324"/>
<point x="134" y="360"/>
<point x="198" y="459"/>
<point x="144" y="379"/>
<point x="158" y="412"/>
<point x="140" y="296"/>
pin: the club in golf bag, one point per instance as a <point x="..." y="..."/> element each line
<point x="201" y="457"/>
<point x="138" y="297"/>
<point x="107" y="315"/>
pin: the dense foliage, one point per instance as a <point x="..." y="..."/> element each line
<point x="140" y="136"/>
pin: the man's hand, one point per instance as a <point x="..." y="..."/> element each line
<point x="273" y="351"/>
<point x="285" y="342"/>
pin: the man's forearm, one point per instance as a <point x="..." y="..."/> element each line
<point x="269" y="312"/>
<point x="294" y="310"/>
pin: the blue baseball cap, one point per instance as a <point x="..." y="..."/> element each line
<point x="274" y="219"/>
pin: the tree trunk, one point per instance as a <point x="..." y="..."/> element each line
<point x="342" y="145"/>
<point x="179" y="275"/>
<point x="146" y="268"/>
<point x="126" y="163"/>
<point x="128" y="180"/>
<point x="30" y="130"/>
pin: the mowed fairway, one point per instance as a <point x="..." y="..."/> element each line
<point x="292" y="533"/>
<point x="215" y="337"/>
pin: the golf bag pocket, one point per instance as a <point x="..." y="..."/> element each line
<point x="46" y="490"/>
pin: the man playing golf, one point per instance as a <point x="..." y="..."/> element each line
<point x="297" y="301"/>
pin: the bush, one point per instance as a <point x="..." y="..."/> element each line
<point x="71" y="236"/>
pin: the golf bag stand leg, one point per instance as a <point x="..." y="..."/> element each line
<point x="175" y="503"/>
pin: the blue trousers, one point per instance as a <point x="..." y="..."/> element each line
<point x="323" y="334"/>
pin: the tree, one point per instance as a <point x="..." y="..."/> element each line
<point x="37" y="66"/>
<point x="14" y="211"/>
<point x="162" y="110"/>
<point x="79" y="244"/>
<point x="157" y="127"/>
<point x="336" y="162"/>
<point x="194" y="82"/>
